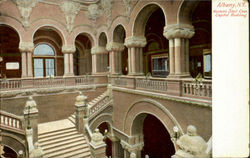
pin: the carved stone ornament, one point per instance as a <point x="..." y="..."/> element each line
<point x="81" y="100"/>
<point x="70" y="10"/>
<point x="107" y="6"/>
<point x="191" y="145"/>
<point x="37" y="152"/>
<point x="68" y="49"/>
<point x="97" y="138"/>
<point x="135" y="41"/>
<point x="132" y="148"/>
<point x="98" y="50"/>
<point x="177" y="31"/>
<point x="94" y="12"/>
<point x="30" y="106"/>
<point x="26" y="46"/>
<point x="25" y="8"/>
<point x="127" y="7"/>
<point x="114" y="46"/>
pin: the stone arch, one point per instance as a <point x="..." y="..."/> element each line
<point x="103" y="29"/>
<point x="102" y="40"/>
<point x="148" y="106"/>
<point x="120" y="20"/>
<point x="104" y="117"/>
<point x="87" y="32"/>
<point x="13" y="24"/>
<point x="119" y="34"/>
<point x="141" y="18"/>
<point x="12" y="141"/>
<point x="52" y="24"/>
<point x="184" y="15"/>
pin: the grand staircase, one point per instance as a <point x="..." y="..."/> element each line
<point x="59" y="139"/>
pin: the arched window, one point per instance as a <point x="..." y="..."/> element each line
<point x="44" y="61"/>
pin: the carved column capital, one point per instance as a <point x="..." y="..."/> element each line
<point x="68" y="49"/>
<point x="98" y="50"/>
<point x="178" y="31"/>
<point x="132" y="148"/>
<point x="115" y="46"/>
<point x="26" y="46"/>
<point x="70" y="10"/>
<point x="135" y="41"/>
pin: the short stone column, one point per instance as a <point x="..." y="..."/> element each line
<point x="135" y="46"/>
<point x="116" y="153"/>
<point x="115" y="57"/>
<point x="37" y="152"/>
<point x="97" y="145"/>
<point x="80" y="106"/>
<point x="29" y="138"/>
<point x="191" y="145"/>
<point x="68" y="60"/>
<point x="31" y="117"/>
<point x="26" y="49"/>
<point x="178" y="37"/>
<point x="99" y="60"/>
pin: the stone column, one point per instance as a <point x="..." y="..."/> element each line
<point x="26" y="49"/>
<point x="115" y="146"/>
<point x="80" y="105"/>
<point x="115" y="49"/>
<point x="99" y="57"/>
<point x="31" y="117"/>
<point x="178" y="37"/>
<point x="68" y="60"/>
<point x="135" y="46"/>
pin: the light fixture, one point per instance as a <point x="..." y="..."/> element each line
<point x="176" y="132"/>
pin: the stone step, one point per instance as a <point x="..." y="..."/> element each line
<point x="61" y="153"/>
<point x="58" y="144"/>
<point x="77" y="154"/>
<point x="54" y="133"/>
<point x="59" y="139"/>
<point x="66" y="146"/>
<point x="72" y="119"/>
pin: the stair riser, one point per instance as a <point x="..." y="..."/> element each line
<point x="44" y="143"/>
<point x="48" y="147"/>
<point x="62" y="149"/>
<point x="41" y="134"/>
<point x="55" y="134"/>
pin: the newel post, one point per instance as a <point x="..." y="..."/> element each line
<point x="97" y="145"/>
<point x="81" y="107"/>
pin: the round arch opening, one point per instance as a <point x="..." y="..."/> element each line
<point x="10" y="63"/>
<point x="8" y="152"/>
<point x="157" y="140"/>
<point x="82" y="56"/>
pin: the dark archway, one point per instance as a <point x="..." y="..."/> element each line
<point x="11" y="66"/>
<point x="119" y="36"/>
<point x="83" y="57"/>
<point x="156" y="50"/>
<point x="8" y="152"/>
<point x="157" y="141"/>
<point x="105" y="127"/>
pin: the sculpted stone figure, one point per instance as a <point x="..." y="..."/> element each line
<point x="37" y="152"/>
<point x="191" y="145"/>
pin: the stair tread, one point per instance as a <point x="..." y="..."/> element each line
<point x="41" y="136"/>
<point x="77" y="154"/>
<point x="68" y="150"/>
<point x="47" y="142"/>
<point x="59" y="135"/>
<point x="67" y="146"/>
<point x="46" y="147"/>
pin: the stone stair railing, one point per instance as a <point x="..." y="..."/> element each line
<point x="192" y="89"/>
<point x="12" y="122"/>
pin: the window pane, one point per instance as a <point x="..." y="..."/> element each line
<point x="38" y="67"/>
<point x="50" y="67"/>
<point x="43" y="49"/>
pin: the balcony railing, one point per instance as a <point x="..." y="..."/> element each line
<point x="11" y="121"/>
<point x="26" y="83"/>
<point x="172" y="86"/>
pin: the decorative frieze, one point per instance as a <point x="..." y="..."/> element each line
<point x="26" y="46"/>
<point x="98" y="50"/>
<point x="127" y="8"/>
<point x="115" y="46"/>
<point x="135" y="41"/>
<point x="68" y="49"/>
<point x="132" y="148"/>
<point x="25" y="8"/>
<point x="178" y="31"/>
<point x="70" y="10"/>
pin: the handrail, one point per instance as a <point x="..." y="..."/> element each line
<point x="11" y="121"/>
